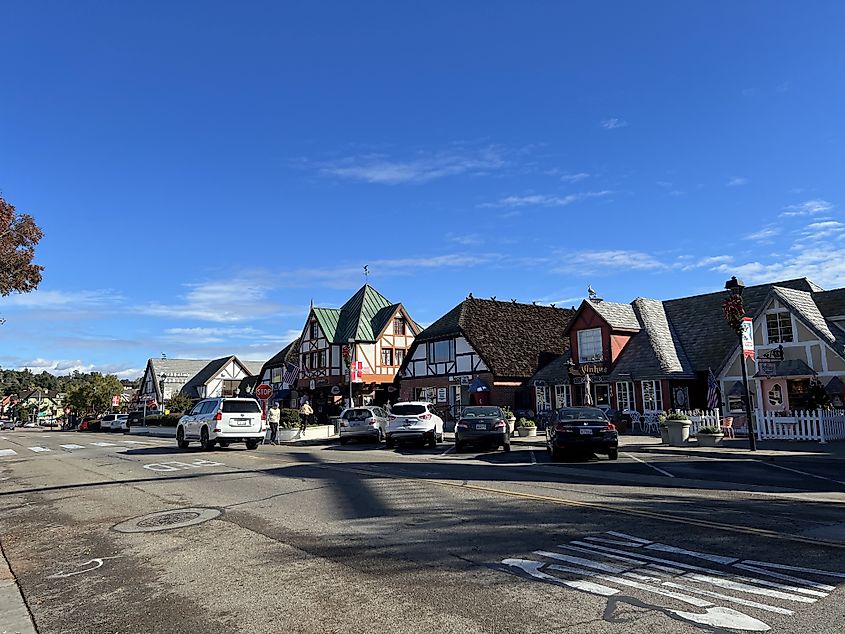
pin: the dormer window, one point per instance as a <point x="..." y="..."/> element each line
<point x="779" y="327"/>
<point x="589" y="346"/>
<point x="315" y="330"/>
<point x="399" y="326"/>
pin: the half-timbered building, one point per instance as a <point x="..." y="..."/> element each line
<point x="369" y="334"/>
<point x="483" y="351"/>
<point x="195" y="378"/>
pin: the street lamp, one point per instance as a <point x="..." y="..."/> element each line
<point x="163" y="378"/>
<point x="351" y="343"/>
<point x="734" y="314"/>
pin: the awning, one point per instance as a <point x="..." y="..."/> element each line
<point x="789" y="367"/>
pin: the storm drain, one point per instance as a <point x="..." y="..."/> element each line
<point x="167" y="520"/>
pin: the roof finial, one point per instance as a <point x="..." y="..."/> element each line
<point x="312" y="304"/>
<point x="366" y="274"/>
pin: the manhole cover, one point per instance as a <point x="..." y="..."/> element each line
<point x="167" y="520"/>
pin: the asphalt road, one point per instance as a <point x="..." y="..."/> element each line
<point x="141" y="537"/>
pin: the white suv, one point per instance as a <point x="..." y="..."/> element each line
<point x="222" y="421"/>
<point x="414" y="420"/>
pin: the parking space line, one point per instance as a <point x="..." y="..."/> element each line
<point x="648" y="464"/>
<point x="450" y="449"/>
<point x="811" y="475"/>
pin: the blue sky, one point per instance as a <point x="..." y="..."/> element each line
<point x="203" y="170"/>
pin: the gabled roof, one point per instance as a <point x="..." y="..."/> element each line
<point x="288" y="354"/>
<point x="802" y="304"/>
<point x="212" y="368"/>
<point x="831" y="303"/>
<point x="172" y="367"/>
<point x="362" y="317"/>
<point x="702" y="330"/>
<point x="617" y="316"/>
<point x="511" y="338"/>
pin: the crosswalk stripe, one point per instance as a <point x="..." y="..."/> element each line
<point x="38" y="449"/>
<point x="8" y="452"/>
<point x="71" y="446"/>
<point x="104" y="444"/>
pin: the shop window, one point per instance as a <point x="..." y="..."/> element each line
<point x="563" y="396"/>
<point x="399" y="356"/>
<point x="387" y="356"/>
<point x="589" y="345"/>
<point x="276" y="375"/>
<point x="543" y="399"/>
<point x="735" y="405"/>
<point x="441" y="351"/>
<point x="625" y="396"/>
<point x="779" y="327"/>
<point x="652" y="396"/>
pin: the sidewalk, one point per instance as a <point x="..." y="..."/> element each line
<point x="737" y="449"/>
<point x="13" y="609"/>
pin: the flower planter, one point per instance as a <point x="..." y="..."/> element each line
<point x="664" y="434"/>
<point x="678" y="432"/>
<point x="526" y="432"/>
<point x="286" y="435"/>
<point x="709" y="440"/>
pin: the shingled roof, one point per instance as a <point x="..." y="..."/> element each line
<point x="618" y="316"/>
<point x="362" y="317"/>
<point x="510" y="337"/>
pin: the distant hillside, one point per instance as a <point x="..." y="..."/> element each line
<point x="18" y="381"/>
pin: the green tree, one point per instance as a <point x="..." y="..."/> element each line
<point x="18" y="236"/>
<point x="180" y="403"/>
<point x="93" y="393"/>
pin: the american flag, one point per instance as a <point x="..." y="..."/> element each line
<point x="291" y="372"/>
<point x="712" y="391"/>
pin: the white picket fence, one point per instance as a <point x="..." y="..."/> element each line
<point x="702" y="418"/>
<point x="820" y="425"/>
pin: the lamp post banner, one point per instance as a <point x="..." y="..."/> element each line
<point x="747" y="338"/>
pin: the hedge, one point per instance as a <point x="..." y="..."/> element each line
<point x="163" y="420"/>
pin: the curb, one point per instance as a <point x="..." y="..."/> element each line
<point x="763" y="457"/>
<point x="13" y="607"/>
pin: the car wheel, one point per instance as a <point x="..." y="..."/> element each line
<point x="180" y="438"/>
<point x="459" y="446"/>
<point x="557" y="454"/>
<point x="613" y="454"/>
<point x="205" y="442"/>
<point x="432" y="442"/>
<point x="343" y="441"/>
<point x="252" y="444"/>
<point x="224" y="443"/>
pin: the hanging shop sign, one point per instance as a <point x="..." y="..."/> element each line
<point x="747" y="333"/>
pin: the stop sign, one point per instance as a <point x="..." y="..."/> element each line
<point x="264" y="391"/>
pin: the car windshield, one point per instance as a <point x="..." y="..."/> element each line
<point x="476" y="412"/>
<point x="408" y="410"/>
<point x="356" y="414"/>
<point x="582" y="413"/>
<point x="241" y="407"/>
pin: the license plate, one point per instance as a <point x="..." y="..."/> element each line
<point x="586" y="432"/>
<point x="241" y="422"/>
<point x="481" y="426"/>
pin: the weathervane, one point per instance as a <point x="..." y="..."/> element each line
<point x="366" y="273"/>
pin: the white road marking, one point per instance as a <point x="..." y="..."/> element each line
<point x="175" y="465"/>
<point x="8" y="452"/>
<point x="630" y="538"/>
<point x="38" y="449"/>
<point x="777" y="575"/>
<point x="648" y="464"/>
<point x="450" y="449"/>
<point x="813" y="571"/>
<point x="719" y="559"/>
<point x="104" y="444"/>
<point x="133" y="442"/>
<point x="727" y="597"/>
<point x="804" y="473"/>
<point x="533" y="457"/>
<point x="99" y="561"/>
<point x="615" y="542"/>
<point x="533" y="568"/>
<point x="71" y="446"/>
<point x="580" y="561"/>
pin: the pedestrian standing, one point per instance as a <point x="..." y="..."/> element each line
<point x="305" y="414"/>
<point x="273" y="417"/>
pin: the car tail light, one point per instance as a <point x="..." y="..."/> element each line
<point x="371" y="421"/>
<point x="462" y="424"/>
<point x="263" y="417"/>
<point x="425" y="416"/>
<point x="610" y="427"/>
<point x="391" y="417"/>
<point x="569" y="428"/>
<point x="219" y="416"/>
<point x="216" y="431"/>
<point x="500" y="424"/>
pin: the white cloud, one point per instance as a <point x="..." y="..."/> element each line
<point x="807" y="208"/>
<point x="425" y="167"/>
<point x="737" y="181"/>
<point x="592" y="261"/>
<point x="204" y="335"/>
<point x="48" y="300"/>
<point x="613" y="123"/>
<point x="764" y="234"/>
<point x="69" y="366"/>
<point x="705" y="262"/>
<point x="823" y="229"/>
<point x="467" y="239"/>
<point x="543" y="200"/>
<point x="574" y="178"/>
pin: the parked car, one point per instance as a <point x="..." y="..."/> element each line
<point x="581" y="429"/>
<point x="90" y="423"/>
<point x="113" y="422"/>
<point x="414" y="420"/>
<point x="7" y="424"/>
<point x="222" y="421"/>
<point x="363" y="423"/>
<point x="482" y="425"/>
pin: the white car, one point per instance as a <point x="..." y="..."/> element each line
<point x="414" y="420"/>
<point x="363" y="423"/>
<point x="222" y="421"/>
<point x="113" y="422"/>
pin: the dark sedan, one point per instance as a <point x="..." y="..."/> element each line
<point x="581" y="429"/>
<point x="482" y="425"/>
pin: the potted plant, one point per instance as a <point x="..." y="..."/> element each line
<point x="664" y="429"/>
<point x="289" y="424"/>
<point x="509" y="418"/>
<point x="710" y="436"/>
<point x="679" y="426"/>
<point x="526" y="427"/>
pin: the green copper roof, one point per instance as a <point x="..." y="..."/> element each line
<point x="328" y="318"/>
<point x="357" y="316"/>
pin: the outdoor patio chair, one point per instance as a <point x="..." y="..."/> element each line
<point x="650" y="423"/>
<point x="636" y="420"/>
